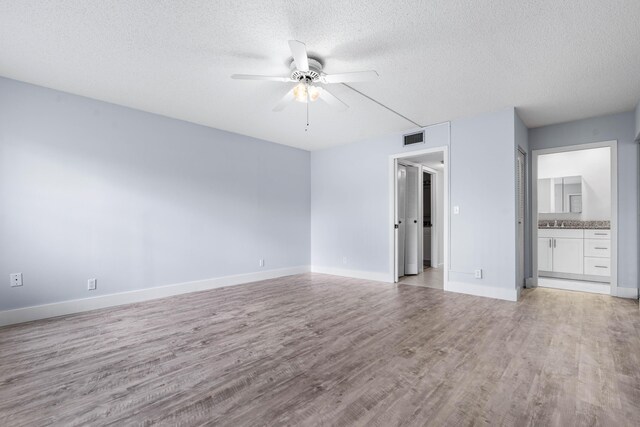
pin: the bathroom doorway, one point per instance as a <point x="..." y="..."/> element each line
<point x="575" y="223"/>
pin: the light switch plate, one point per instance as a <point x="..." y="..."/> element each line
<point x="456" y="210"/>
<point x="92" y="284"/>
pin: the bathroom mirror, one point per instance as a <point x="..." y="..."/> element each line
<point x="560" y="195"/>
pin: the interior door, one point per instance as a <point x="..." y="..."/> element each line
<point x="520" y="185"/>
<point x="401" y="221"/>
<point x="435" y="208"/>
<point x="568" y="255"/>
<point x="411" y="254"/>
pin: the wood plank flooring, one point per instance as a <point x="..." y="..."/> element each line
<point x="429" y="278"/>
<point x="315" y="349"/>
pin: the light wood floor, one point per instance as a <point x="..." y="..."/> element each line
<point x="429" y="278"/>
<point x="322" y="350"/>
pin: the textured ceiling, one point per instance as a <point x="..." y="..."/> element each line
<point x="438" y="60"/>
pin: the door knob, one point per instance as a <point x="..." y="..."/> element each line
<point x="415" y="221"/>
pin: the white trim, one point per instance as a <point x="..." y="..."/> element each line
<point x="434" y="214"/>
<point x="613" y="144"/>
<point x="627" y="293"/>
<point x="483" y="290"/>
<point x="354" y="274"/>
<point x="574" y="285"/>
<point x="521" y="245"/>
<point x="392" y="167"/>
<point x="27" y="314"/>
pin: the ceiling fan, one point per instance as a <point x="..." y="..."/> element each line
<point x="307" y="73"/>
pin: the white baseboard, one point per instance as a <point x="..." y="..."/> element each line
<point x="27" y="314"/>
<point x="574" y="285"/>
<point x="627" y="292"/>
<point x="482" y="290"/>
<point x="355" y="274"/>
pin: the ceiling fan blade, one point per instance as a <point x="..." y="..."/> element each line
<point x="286" y="100"/>
<point x="254" y="77"/>
<point x="358" y="76"/>
<point x="299" y="53"/>
<point x="330" y="99"/>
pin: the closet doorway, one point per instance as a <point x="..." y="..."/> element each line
<point x="419" y="217"/>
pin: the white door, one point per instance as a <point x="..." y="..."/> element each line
<point x="568" y="255"/>
<point x="435" y="208"/>
<point x="545" y="254"/>
<point x="411" y="253"/>
<point x="401" y="222"/>
<point x="520" y="185"/>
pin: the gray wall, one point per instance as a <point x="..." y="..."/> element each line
<point x="350" y="200"/>
<point x="483" y="235"/>
<point x="638" y="122"/>
<point x="620" y="127"/>
<point x="137" y="200"/>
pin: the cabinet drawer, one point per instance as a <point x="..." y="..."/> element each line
<point x="597" y="234"/>
<point x="597" y="266"/>
<point x="567" y="233"/>
<point x="597" y="248"/>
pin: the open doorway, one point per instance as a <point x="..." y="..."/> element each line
<point x="575" y="232"/>
<point x="419" y="225"/>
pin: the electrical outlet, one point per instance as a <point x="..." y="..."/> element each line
<point x="261" y="263"/>
<point x="478" y="274"/>
<point x="91" y="284"/>
<point x="344" y="260"/>
<point x="15" y="279"/>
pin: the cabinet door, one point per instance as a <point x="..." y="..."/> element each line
<point x="544" y="254"/>
<point x="568" y="255"/>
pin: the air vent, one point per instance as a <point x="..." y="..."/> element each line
<point x="414" y="138"/>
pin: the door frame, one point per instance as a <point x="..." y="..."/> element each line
<point x="393" y="197"/>
<point x="522" y="246"/>
<point x="613" y="145"/>
<point x="434" y="221"/>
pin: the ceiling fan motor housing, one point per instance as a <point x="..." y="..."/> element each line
<point x="313" y="75"/>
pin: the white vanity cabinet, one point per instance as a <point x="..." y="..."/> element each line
<point x="561" y="250"/>
<point x="597" y="252"/>
<point x="571" y="252"/>
<point x="568" y="255"/>
<point x="545" y="253"/>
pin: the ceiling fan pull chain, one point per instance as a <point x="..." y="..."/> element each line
<point x="308" y="101"/>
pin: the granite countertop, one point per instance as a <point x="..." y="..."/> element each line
<point x="574" y="224"/>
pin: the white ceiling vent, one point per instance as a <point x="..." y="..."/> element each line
<point x="414" y="138"/>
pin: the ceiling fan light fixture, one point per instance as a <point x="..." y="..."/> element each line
<point x="303" y="92"/>
<point x="300" y="92"/>
<point x="305" y="72"/>
<point x="314" y="93"/>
